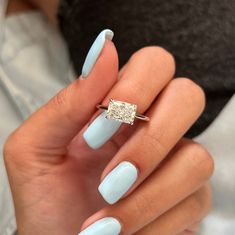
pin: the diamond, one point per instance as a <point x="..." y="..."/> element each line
<point x="121" y="111"/>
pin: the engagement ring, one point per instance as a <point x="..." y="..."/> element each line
<point x="122" y="112"/>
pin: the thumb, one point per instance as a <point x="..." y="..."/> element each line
<point x="54" y="125"/>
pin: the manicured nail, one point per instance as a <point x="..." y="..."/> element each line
<point x="118" y="182"/>
<point x="95" y="51"/>
<point x="105" y="226"/>
<point x="100" y="131"/>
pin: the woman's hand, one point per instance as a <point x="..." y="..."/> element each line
<point x="161" y="179"/>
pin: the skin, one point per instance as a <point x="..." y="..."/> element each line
<point x="17" y="6"/>
<point x="49" y="8"/>
<point x="54" y="175"/>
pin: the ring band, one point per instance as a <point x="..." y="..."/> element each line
<point x="122" y="112"/>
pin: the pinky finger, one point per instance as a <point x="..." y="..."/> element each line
<point x="183" y="218"/>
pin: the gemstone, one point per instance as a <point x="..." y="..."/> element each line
<point x="121" y="111"/>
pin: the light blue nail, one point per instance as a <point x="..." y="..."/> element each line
<point x="95" y="51"/>
<point x="118" y="182"/>
<point x="105" y="226"/>
<point x="100" y="131"/>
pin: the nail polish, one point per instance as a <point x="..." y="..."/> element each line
<point x="100" y="131"/>
<point x="95" y="51"/>
<point x="105" y="226"/>
<point x="118" y="182"/>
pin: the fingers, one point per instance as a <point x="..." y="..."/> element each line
<point x="183" y="216"/>
<point x="187" y="169"/>
<point x="55" y="124"/>
<point x="175" y="110"/>
<point x="144" y="76"/>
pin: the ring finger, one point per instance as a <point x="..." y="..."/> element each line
<point x="145" y="75"/>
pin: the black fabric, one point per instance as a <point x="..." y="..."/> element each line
<point x="199" y="33"/>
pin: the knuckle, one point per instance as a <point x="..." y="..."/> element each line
<point x="193" y="93"/>
<point x="137" y="88"/>
<point x="153" y="141"/>
<point x="62" y="102"/>
<point x="61" y="99"/>
<point x="201" y="161"/>
<point x="155" y="55"/>
<point x="142" y="207"/>
<point x="155" y="52"/>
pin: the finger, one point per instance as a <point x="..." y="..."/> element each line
<point x="145" y="75"/>
<point x="170" y="117"/>
<point x="56" y="123"/>
<point x="187" y="169"/>
<point x="183" y="217"/>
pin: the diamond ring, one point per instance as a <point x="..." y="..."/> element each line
<point x="122" y="112"/>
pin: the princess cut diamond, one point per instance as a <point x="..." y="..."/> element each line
<point x="121" y="111"/>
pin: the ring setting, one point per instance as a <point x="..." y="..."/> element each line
<point x="122" y="111"/>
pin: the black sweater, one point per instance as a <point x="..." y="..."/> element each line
<point x="199" y="33"/>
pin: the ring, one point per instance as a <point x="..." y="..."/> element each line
<point x="122" y="112"/>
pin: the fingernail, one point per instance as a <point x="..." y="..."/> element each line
<point x="100" y="131"/>
<point x="105" y="226"/>
<point x="118" y="182"/>
<point x="95" y="51"/>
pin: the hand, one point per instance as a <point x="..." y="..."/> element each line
<point x="54" y="174"/>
